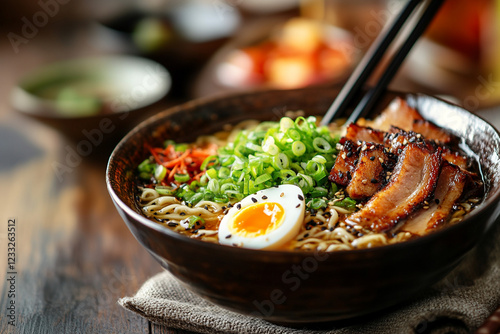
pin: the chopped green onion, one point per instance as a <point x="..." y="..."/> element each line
<point x="269" y="146"/>
<point x="298" y="148"/>
<point x="160" y="172"/>
<point x="212" y="173"/>
<point x="319" y="159"/>
<point x="181" y="147"/>
<point x="195" y="222"/>
<point x="281" y="161"/>
<point x="209" y="162"/>
<point x="347" y="203"/>
<point x="166" y="190"/>
<point x="286" y="123"/>
<point x="213" y="186"/>
<point x="293" y="134"/>
<point x="224" y="173"/>
<point x="262" y="179"/>
<point x="146" y="166"/>
<point x="321" y="145"/>
<point x="254" y="147"/>
<point x="286" y="152"/>
<point x="182" y="177"/>
<point x="195" y="198"/>
<point x="319" y="192"/>
<point x="317" y="203"/>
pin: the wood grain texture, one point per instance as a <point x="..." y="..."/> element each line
<point x="74" y="255"/>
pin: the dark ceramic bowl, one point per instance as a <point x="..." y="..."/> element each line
<point x="299" y="287"/>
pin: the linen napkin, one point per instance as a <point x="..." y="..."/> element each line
<point x="459" y="303"/>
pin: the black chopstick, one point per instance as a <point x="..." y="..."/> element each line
<point x="373" y="56"/>
<point x="371" y="97"/>
<point x="368" y="63"/>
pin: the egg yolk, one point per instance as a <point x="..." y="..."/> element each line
<point x="258" y="219"/>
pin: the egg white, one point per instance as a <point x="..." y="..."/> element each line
<point x="290" y="197"/>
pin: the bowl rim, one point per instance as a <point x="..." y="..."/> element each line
<point x="484" y="206"/>
<point x="29" y="103"/>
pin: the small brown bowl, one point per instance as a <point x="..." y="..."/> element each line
<point x="297" y="286"/>
<point x="94" y="100"/>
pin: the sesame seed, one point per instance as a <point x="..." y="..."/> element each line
<point x="426" y="207"/>
<point x="374" y="181"/>
<point x="298" y="205"/>
<point x="182" y="213"/>
<point x="349" y="154"/>
<point x="344" y="155"/>
<point x="172" y="224"/>
<point x="300" y="197"/>
<point x="282" y="194"/>
<point x="264" y="197"/>
<point x="238" y="206"/>
<point x="405" y="142"/>
<point x="436" y="200"/>
<point x="381" y="160"/>
<point x="228" y="236"/>
<point x="254" y="200"/>
<point x="372" y="158"/>
<point x="364" y="181"/>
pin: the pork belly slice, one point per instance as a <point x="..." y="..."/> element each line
<point x="345" y="163"/>
<point x="431" y="131"/>
<point x="413" y="181"/>
<point x="401" y="115"/>
<point x="398" y="113"/>
<point x="371" y="171"/>
<point x="396" y="139"/>
<point x="355" y="133"/>
<point x="449" y="189"/>
<point x="455" y="158"/>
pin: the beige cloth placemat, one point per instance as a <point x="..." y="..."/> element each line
<point x="459" y="303"/>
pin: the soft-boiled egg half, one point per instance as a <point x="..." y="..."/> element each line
<point x="264" y="220"/>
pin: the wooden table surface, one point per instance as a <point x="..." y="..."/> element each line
<point x="74" y="256"/>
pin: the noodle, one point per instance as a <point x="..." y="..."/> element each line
<point x="329" y="233"/>
<point x="322" y="229"/>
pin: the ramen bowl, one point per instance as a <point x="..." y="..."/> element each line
<point x="298" y="286"/>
